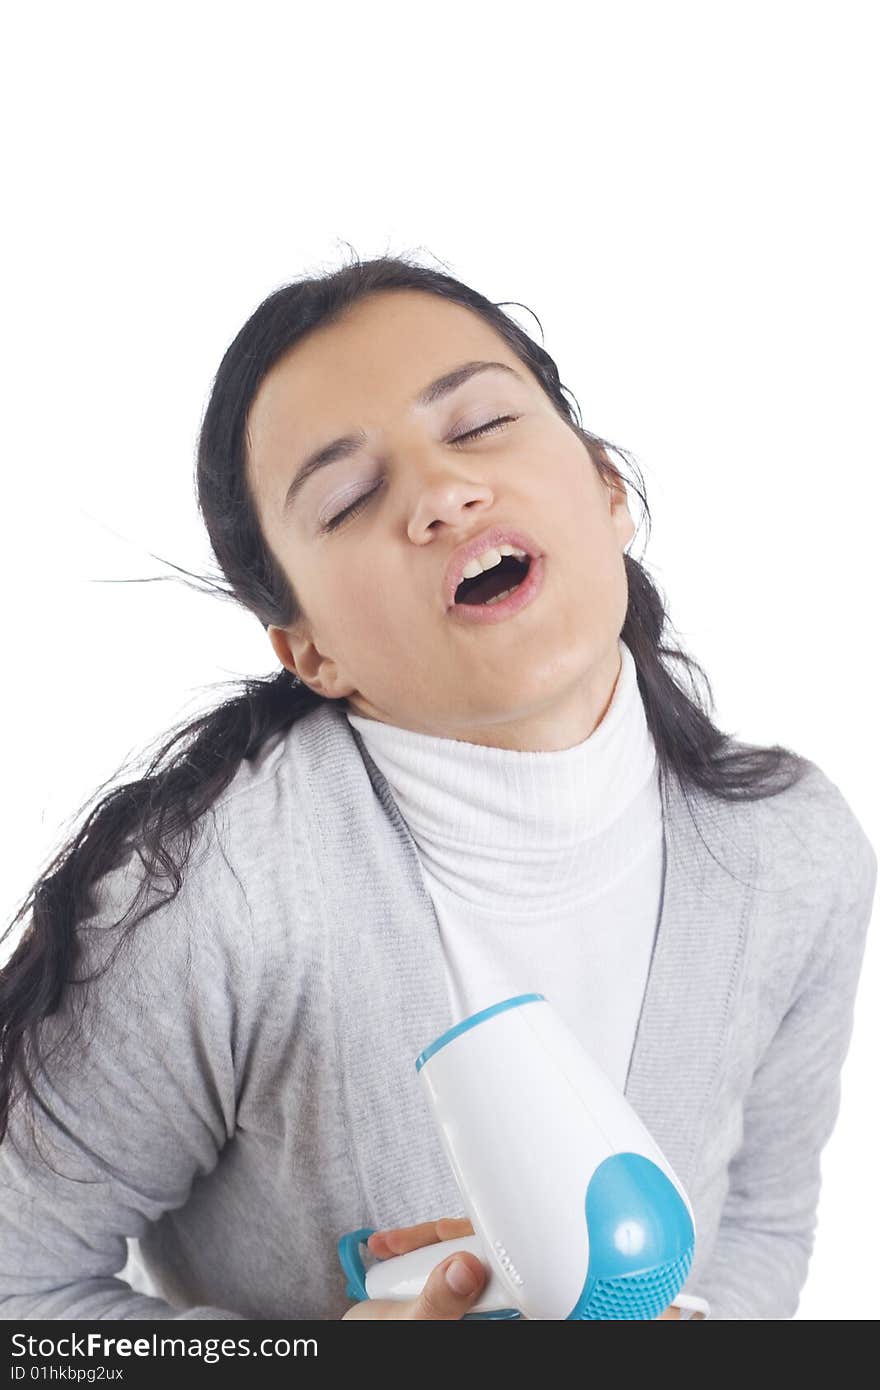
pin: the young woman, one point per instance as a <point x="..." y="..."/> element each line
<point x="438" y="801"/>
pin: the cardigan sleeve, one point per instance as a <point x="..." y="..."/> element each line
<point x="135" y="1112"/>
<point x="759" y="1262"/>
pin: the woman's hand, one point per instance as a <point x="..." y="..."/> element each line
<point x="438" y="1299"/>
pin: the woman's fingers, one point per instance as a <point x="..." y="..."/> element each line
<point x="451" y="1227"/>
<point x="452" y="1287"/>
<point x="442" y="1299"/>
<point x="400" y="1239"/>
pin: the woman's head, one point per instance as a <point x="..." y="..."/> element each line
<point x="358" y="612"/>
<point x="365" y="540"/>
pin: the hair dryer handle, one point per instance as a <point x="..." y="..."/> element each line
<point x="404" y="1276"/>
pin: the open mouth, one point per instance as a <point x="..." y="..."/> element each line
<point x="493" y="585"/>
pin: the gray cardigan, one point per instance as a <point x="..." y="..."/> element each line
<point x="246" y="1089"/>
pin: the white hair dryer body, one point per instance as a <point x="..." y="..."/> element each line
<point x="576" y="1213"/>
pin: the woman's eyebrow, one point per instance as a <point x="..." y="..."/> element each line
<point x="348" y="444"/>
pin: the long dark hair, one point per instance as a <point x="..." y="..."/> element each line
<point x="157" y="814"/>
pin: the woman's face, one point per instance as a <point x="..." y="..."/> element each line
<point x="378" y="631"/>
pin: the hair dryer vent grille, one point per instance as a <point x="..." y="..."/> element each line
<point x="644" y="1295"/>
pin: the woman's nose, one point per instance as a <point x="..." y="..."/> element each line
<point x="443" y="496"/>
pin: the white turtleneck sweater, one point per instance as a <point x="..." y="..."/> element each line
<point x="545" y="868"/>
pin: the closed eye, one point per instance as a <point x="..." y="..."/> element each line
<point x="483" y="429"/>
<point x="490" y="427"/>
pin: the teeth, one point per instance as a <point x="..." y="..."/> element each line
<point x="489" y="559"/>
<point x="497" y="598"/>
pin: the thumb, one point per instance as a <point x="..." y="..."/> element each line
<point x="451" y="1288"/>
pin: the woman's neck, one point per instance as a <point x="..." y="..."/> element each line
<point x="528" y="823"/>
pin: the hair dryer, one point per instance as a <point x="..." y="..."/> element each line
<point x="576" y="1213"/>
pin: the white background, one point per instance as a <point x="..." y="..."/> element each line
<point x="683" y="193"/>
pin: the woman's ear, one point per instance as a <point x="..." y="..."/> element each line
<point x="620" y="515"/>
<point x="281" y="647"/>
<point x="615" y="489"/>
<point x="297" y="652"/>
